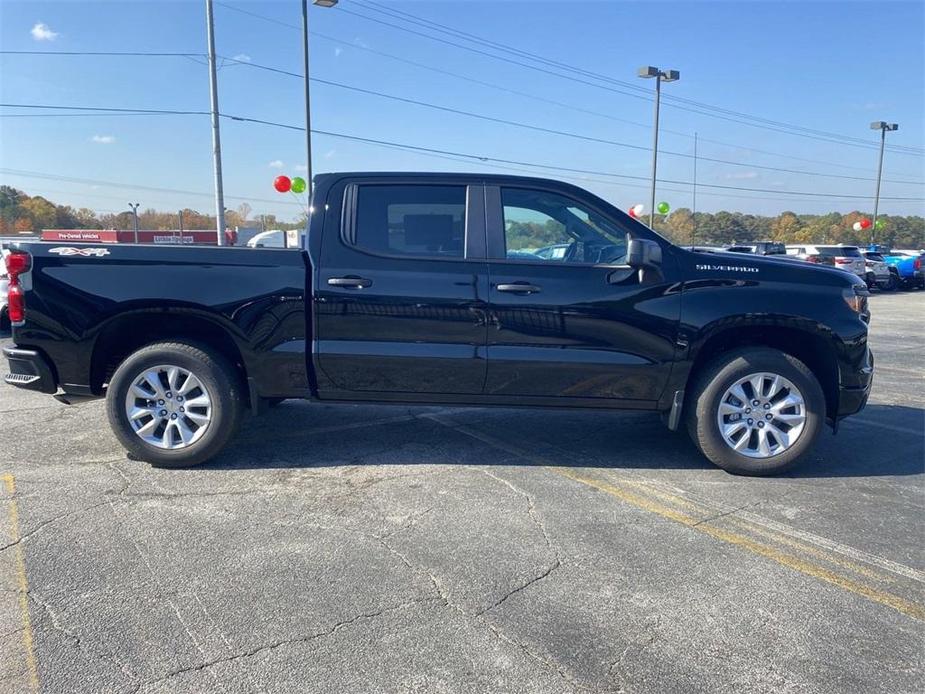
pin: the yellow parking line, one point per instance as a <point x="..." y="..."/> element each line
<point x="906" y="607"/>
<point x="23" y="585"/>
<point x="624" y="493"/>
<point x="752" y="527"/>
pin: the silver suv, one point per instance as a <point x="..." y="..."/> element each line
<point x="846" y="257"/>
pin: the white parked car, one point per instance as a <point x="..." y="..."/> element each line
<point x="879" y="273"/>
<point x="846" y="257"/>
<point x="275" y="238"/>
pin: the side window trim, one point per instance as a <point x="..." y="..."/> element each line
<point x="474" y="209"/>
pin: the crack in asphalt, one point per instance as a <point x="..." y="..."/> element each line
<point x="531" y="511"/>
<point x="79" y="643"/>
<point x="278" y="644"/>
<point x="68" y="514"/>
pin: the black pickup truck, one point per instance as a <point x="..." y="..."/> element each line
<point x="445" y="288"/>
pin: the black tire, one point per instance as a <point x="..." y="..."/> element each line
<point x="893" y="283"/>
<point x="711" y="383"/>
<point x="220" y="380"/>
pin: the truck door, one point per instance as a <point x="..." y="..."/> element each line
<point x="568" y="319"/>
<point x="401" y="291"/>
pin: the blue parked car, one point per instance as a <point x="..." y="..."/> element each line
<point x="908" y="264"/>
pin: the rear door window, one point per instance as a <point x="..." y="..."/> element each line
<point x="411" y="220"/>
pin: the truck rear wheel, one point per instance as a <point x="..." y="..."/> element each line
<point x="755" y="411"/>
<point x="174" y="404"/>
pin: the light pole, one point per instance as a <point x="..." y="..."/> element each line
<point x="308" y="102"/>
<point x="882" y="126"/>
<point x="216" y="138"/>
<point x="660" y="76"/>
<point x="134" y="206"/>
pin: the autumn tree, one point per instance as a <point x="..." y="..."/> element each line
<point x="785" y="227"/>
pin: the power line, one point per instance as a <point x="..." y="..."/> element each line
<point x="553" y="131"/>
<point x="392" y="11"/>
<point x="413" y="147"/>
<point x="484" y="158"/>
<point x="96" y="109"/>
<point x="683" y="104"/>
<point x="141" y="54"/>
<point x="134" y="186"/>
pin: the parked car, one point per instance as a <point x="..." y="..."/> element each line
<point x="879" y="274"/>
<point x="908" y="264"/>
<point x="759" y="248"/>
<point x="404" y="294"/>
<point x="847" y="258"/>
<point x="274" y="238"/>
<point x="799" y="253"/>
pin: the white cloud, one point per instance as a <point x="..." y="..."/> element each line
<point x="276" y="164"/>
<point x="301" y="167"/>
<point x="42" y="32"/>
<point x="243" y="57"/>
<point x="330" y="154"/>
<point x="338" y="51"/>
<point x="103" y="139"/>
<point x="741" y="176"/>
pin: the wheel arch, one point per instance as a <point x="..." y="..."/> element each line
<point x="126" y="333"/>
<point x="813" y="348"/>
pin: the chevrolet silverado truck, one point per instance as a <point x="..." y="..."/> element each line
<point x="441" y="288"/>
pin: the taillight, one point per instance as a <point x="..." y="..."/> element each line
<point x="917" y="265"/>
<point x="17" y="263"/>
<point x="16" y="309"/>
<point x="843" y="261"/>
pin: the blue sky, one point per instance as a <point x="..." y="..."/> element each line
<point x="828" y="66"/>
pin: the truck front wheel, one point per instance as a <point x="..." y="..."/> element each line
<point x="755" y="411"/>
<point x="174" y="404"/>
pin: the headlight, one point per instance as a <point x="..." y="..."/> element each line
<point x="856" y="298"/>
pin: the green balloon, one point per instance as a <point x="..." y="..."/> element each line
<point x="663" y="208"/>
<point x="298" y="185"/>
<point x="879" y="224"/>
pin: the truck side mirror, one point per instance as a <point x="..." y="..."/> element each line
<point x="643" y="254"/>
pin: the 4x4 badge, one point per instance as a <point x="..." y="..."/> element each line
<point x="86" y="252"/>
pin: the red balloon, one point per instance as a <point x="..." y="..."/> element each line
<point x="631" y="213"/>
<point x="282" y="184"/>
<point x="865" y="223"/>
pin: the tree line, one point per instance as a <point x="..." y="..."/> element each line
<point x="720" y="228"/>
<point x="21" y="213"/>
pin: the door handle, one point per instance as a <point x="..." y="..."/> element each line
<point x="350" y="282"/>
<point x="518" y="288"/>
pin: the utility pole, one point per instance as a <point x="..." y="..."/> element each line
<point x="216" y="138"/>
<point x="134" y="206"/>
<point x="882" y="126"/>
<point x="694" y="211"/>
<point x="308" y="101"/>
<point x="660" y="76"/>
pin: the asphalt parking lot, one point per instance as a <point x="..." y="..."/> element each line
<point x="364" y="549"/>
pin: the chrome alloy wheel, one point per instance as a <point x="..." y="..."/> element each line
<point x="761" y="415"/>
<point x="168" y="407"/>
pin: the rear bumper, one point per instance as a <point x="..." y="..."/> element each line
<point x="29" y="370"/>
<point x="852" y="398"/>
